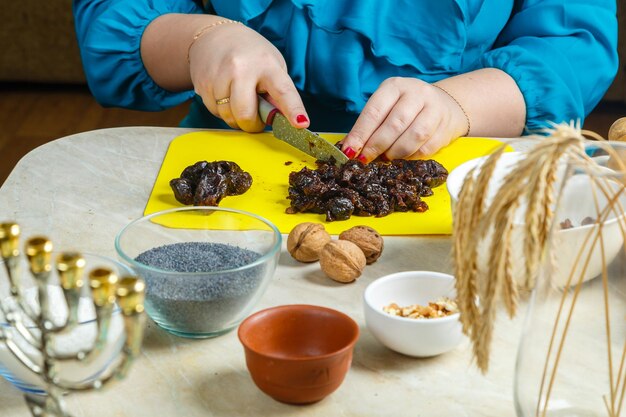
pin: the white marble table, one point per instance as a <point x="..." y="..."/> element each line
<point x="82" y="189"/>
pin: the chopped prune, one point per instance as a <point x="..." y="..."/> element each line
<point x="211" y="189"/>
<point x="183" y="190"/>
<point x="587" y="220"/>
<point x="192" y="172"/>
<point x="376" y="189"/>
<point x="567" y="223"/>
<point x="339" y="208"/>
<point x="207" y="183"/>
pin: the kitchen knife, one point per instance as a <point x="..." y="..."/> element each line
<point x="303" y="139"/>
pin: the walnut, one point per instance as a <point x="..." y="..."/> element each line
<point x="587" y="220"/>
<point x="366" y="238"/>
<point x="306" y="240"/>
<point x="617" y="131"/>
<point x="442" y="307"/>
<point x="342" y="260"/>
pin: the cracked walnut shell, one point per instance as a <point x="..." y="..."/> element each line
<point x="306" y="240"/>
<point x="366" y="238"/>
<point x="342" y="260"/>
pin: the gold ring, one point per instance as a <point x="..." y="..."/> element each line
<point x="224" y="100"/>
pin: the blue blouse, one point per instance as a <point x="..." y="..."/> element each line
<point x="561" y="53"/>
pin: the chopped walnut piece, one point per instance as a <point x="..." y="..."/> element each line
<point x="442" y="307"/>
<point x="393" y="309"/>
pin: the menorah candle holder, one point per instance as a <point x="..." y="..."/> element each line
<point x="34" y="325"/>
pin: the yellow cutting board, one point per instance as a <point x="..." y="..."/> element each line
<point x="270" y="161"/>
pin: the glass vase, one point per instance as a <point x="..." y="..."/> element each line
<point x="572" y="355"/>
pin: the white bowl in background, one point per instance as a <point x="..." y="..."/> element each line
<point x="456" y="178"/>
<point x="412" y="337"/>
<point x="577" y="203"/>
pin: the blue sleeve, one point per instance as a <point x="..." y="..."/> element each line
<point x="562" y="55"/>
<point x="109" y="35"/>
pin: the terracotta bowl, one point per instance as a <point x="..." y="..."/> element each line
<point x="298" y="354"/>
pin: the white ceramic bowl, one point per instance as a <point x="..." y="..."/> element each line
<point x="577" y="202"/>
<point x="456" y="178"/>
<point x="412" y="337"/>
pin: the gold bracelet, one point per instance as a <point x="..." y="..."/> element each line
<point x="204" y="30"/>
<point x="458" y="104"/>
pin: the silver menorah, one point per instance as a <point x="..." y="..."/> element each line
<point x="33" y="323"/>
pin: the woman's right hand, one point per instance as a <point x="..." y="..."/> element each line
<point x="233" y="61"/>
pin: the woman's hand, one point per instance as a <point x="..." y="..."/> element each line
<point x="232" y="61"/>
<point x="405" y="118"/>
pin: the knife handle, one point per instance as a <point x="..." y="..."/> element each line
<point x="266" y="111"/>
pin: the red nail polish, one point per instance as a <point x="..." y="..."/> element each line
<point x="384" y="158"/>
<point x="349" y="152"/>
<point x="362" y="158"/>
<point x="301" y="118"/>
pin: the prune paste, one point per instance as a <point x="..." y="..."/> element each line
<point x="376" y="189"/>
<point x="207" y="183"/>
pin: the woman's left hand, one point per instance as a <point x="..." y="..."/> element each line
<point x="405" y="118"/>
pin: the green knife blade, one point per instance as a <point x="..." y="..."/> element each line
<point x="307" y="141"/>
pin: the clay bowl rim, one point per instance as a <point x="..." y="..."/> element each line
<point x="246" y="324"/>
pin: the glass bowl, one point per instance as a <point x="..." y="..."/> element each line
<point x="79" y="339"/>
<point x="205" y="267"/>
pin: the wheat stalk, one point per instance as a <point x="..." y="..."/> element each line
<point x="534" y="181"/>
<point x="474" y="193"/>
<point x="474" y="223"/>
